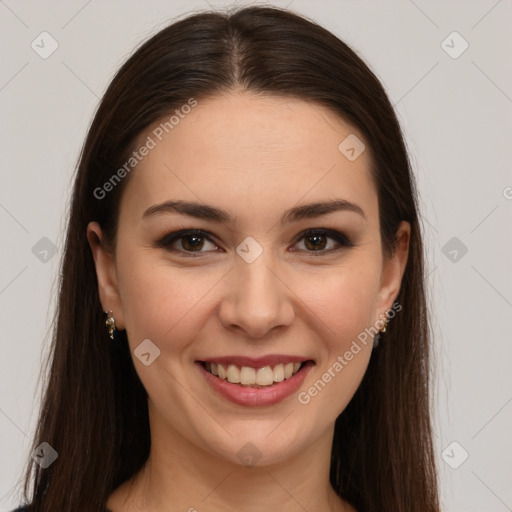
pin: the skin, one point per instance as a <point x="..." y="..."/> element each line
<point x="254" y="156"/>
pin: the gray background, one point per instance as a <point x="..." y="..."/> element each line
<point x="456" y="115"/>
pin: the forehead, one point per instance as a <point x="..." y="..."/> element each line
<point x="250" y="153"/>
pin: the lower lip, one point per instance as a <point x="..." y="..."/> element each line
<point x="249" y="396"/>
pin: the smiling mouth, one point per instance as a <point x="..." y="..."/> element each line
<point x="248" y="377"/>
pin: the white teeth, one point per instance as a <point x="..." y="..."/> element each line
<point x="278" y="373"/>
<point x="248" y="376"/>
<point x="232" y="374"/>
<point x="288" y="370"/>
<point x="264" y="376"/>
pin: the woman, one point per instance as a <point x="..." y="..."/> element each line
<point x="242" y="320"/>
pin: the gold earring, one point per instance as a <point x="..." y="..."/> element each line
<point x="110" y="323"/>
<point x="384" y="320"/>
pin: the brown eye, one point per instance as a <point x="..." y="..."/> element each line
<point x="189" y="241"/>
<point x="192" y="242"/>
<point x="316" y="241"/>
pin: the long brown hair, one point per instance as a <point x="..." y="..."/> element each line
<point x="94" y="408"/>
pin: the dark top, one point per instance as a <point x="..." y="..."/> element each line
<point x="25" y="509"/>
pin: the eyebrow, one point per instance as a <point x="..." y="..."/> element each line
<point x="295" y="214"/>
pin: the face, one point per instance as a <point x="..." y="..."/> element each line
<point x="260" y="277"/>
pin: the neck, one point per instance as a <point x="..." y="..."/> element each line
<point x="180" y="475"/>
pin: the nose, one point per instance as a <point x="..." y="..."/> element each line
<point x="257" y="300"/>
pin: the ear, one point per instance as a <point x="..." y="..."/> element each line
<point x="393" y="269"/>
<point x="104" y="261"/>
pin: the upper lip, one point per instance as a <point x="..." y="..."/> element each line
<point x="256" y="362"/>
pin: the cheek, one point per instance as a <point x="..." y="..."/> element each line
<point x="347" y="344"/>
<point x="161" y="303"/>
<point x="344" y="299"/>
<point x="345" y="302"/>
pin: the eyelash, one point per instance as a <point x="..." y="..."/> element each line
<point x="343" y="241"/>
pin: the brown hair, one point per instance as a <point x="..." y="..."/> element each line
<point x="94" y="409"/>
